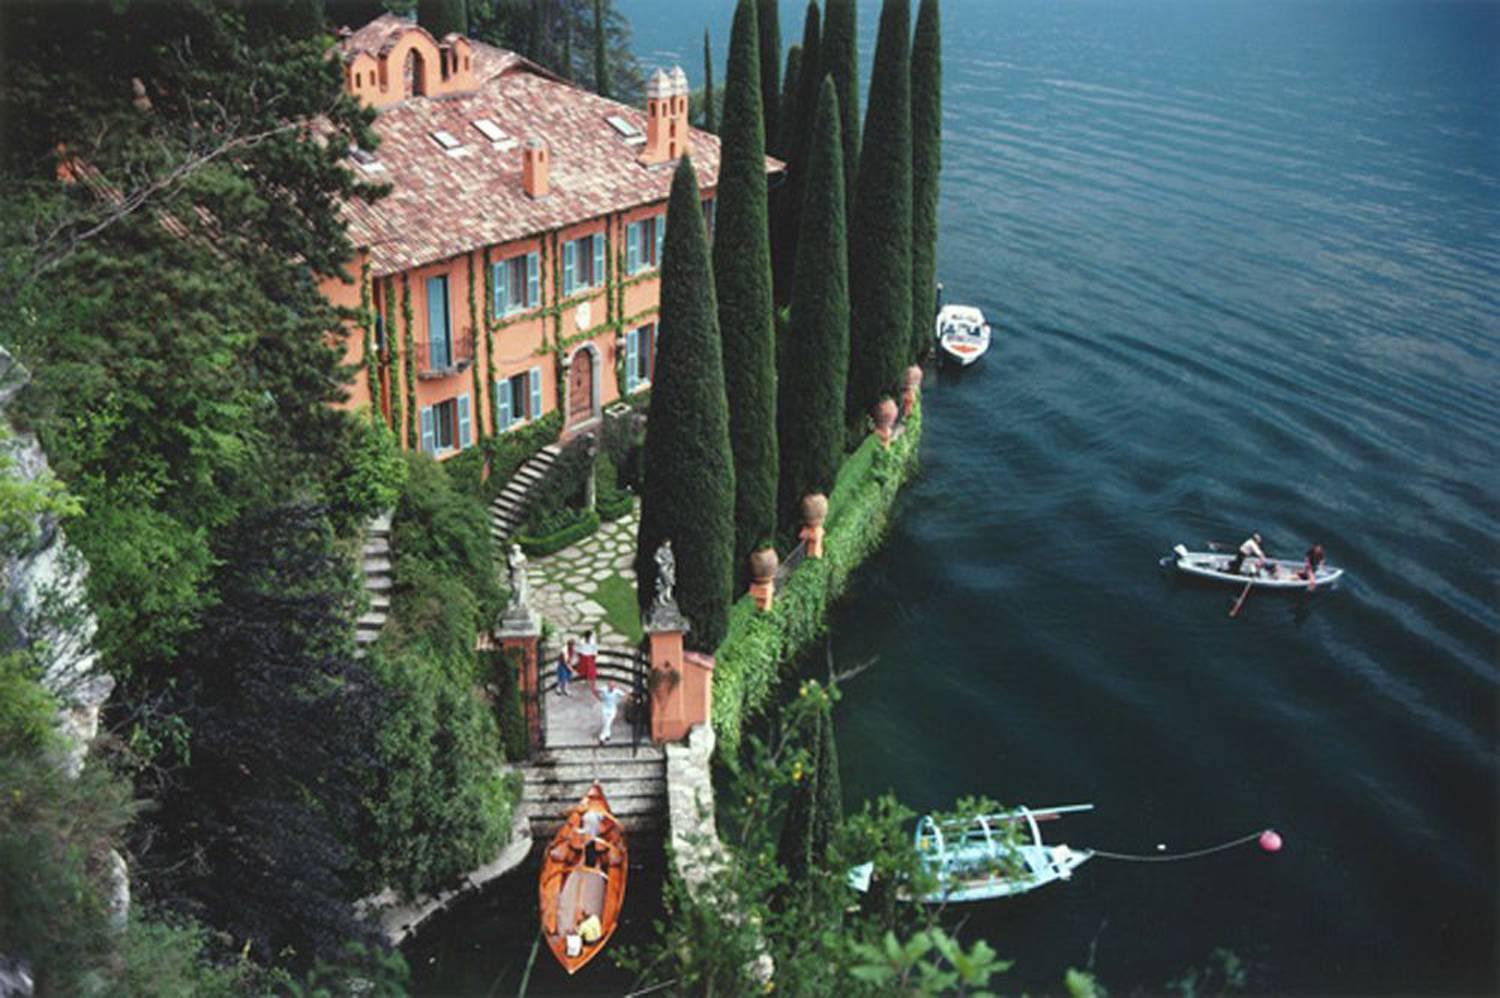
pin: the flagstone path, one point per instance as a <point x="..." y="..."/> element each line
<point x="565" y="586"/>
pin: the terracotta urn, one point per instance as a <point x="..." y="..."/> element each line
<point x="912" y="387"/>
<point x="814" y="509"/>
<point x="885" y="419"/>
<point x="763" y="564"/>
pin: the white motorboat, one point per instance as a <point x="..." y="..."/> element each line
<point x="962" y="333"/>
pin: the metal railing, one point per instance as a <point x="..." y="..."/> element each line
<point x="441" y="357"/>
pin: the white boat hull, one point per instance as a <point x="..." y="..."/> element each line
<point x="1272" y="573"/>
<point x="962" y="333"/>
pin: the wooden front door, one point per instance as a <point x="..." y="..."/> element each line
<point x="581" y="388"/>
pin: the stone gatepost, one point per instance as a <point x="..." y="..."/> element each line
<point x="681" y="693"/>
<point x="519" y="628"/>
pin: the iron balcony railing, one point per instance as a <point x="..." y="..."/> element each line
<point x="440" y="357"/>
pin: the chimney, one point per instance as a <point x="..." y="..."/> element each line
<point x="666" y="116"/>
<point x="534" y="168"/>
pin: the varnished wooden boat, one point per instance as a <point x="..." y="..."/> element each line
<point x="583" y="881"/>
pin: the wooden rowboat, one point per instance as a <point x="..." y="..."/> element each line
<point x="582" y="885"/>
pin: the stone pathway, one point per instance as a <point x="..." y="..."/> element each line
<point x="563" y="585"/>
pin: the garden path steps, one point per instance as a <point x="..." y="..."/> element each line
<point x="508" y="510"/>
<point x="375" y="563"/>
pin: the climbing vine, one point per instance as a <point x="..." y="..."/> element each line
<point x="474" y="332"/>
<point x="393" y="354"/>
<point x="366" y="324"/>
<point x="410" y="367"/>
<point x="489" y="339"/>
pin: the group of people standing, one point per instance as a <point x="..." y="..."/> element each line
<point x="581" y="660"/>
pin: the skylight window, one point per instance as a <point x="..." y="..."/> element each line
<point x="631" y="134"/>
<point x="366" y="160"/>
<point x="490" y="130"/>
<point x="446" y="139"/>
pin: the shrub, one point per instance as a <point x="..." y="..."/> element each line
<point x="622" y="441"/>
<point x="435" y="523"/>
<point x="509" y="450"/>
<point x="556" y="530"/>
<point x="565" y="482"/>
<point x="610" y="500"/>
<point x="369" y="477"/>
<point x="501" y="669"/>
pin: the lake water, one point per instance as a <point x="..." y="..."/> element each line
<point x="1242" y="259"/>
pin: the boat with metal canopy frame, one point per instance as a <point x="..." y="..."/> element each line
<point x="980" y="857"/>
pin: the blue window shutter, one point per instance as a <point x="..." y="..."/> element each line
<point x="570" y="254"/>
<point x="661" y="232"/>
<point x="463" y="422"/>
<point x="598" y="259"/>
<point x="533" y="289"/>
<point x="437" y="322"/>
<point x="502" y="392"/>
<point x="536" y="393"/>
<point x="632" y="353"/>
<point x="502" y="288"/>
<point x="429" y="431"/>
<point x="632" y="247"/>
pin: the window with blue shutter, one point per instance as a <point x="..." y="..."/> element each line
<point x="533" y="289"/>
<point x="463" y="422"/>
<point x="632" y="348"/>
<point x="536" y="393"/>
<point x="632" y="247"/>
<point x="439" y="346"/>
<point x="597" y="277"/>
<point x="502" y="289"/>
<point x="570" y="257"/>
<point x="502" y="395"/>
<point x="429" y="435"/>
<point x="661" y="232"/>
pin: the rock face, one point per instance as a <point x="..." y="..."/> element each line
<point x="44" y="599"/>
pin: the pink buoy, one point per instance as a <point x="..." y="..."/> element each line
<point x="1270" y="841"/>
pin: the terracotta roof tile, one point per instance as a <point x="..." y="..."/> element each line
<point x="443" y="205"/>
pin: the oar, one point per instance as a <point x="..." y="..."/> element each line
<point x="1241" y="601"/>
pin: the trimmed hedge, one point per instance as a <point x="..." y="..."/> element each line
<point x="748" y="661"/>
<point x="613" y="506"/>
<point x="611" y="501"/>
<point x="506" y="451"/>
<point x="557" y="530"/>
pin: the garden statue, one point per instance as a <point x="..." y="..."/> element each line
<point x="666" y="575"/>
<point x="515" y="564"/>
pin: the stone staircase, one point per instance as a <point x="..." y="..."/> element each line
<point x="508" y="509"/>
<point x="375" y="560"/>
<point x="634" y="780"/>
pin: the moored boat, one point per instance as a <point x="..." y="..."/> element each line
<point x="1268" y="573"/>
<point x="962" y="333"/>
<point x="995" y="855"/>
<point x="582" y="885"/>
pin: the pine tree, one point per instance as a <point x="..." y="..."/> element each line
<point x="880" y="230"/>
<point x="688" y="493"/>
<point x="813" y="378"/>
<point x="768" y="21"/>
<point x="742" y="279"/>
<point x="710" y="109"/>
<point x="601" y="52"/>
<point x="926" y="163"/>
<point x="840" y="57"/>
<point x="796" y="127"/>
<point x="442" y="17"/>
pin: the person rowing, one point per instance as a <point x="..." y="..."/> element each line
<point x="1251" y="548"/>
<point x="1311" y="565"/>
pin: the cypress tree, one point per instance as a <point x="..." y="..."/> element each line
<point x="710" y="115"/>
<point x="601" y="52"/>
<point x="840" y="57"/>
<point x="880" y="228"/>
<point x="566" y="70"/>
<point x="828" y="801"/>
<point x="769" y="22"/>
<point x="781" y="217"/>
<point x="688" y="493"/>
<point x="786" y="115"/>
<point x="742" y="278"/>
<point x="442" y="17"/>
<point x="797" y="132"/>
<point x="926" y="163"/>
<point x="811" y="417"/>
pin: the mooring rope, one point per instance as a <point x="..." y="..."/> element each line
<point x="1174" y="857"/>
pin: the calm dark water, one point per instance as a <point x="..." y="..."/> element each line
<point x="1243" y="260"/>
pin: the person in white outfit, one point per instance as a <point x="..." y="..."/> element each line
<point x="1250" y="549"/>
<point x="609" y="703"/>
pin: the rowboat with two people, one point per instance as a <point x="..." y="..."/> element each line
<point x="985" y="856"/>
<point x="1267" y="573"/>
<point x="583" y="881"/>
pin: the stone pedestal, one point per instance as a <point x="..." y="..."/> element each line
<point x="519" y="629"/>
<point x="763" y="593"/>
<point x="814" y="538"/>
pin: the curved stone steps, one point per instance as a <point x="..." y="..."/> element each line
<point x="508" y="509"/>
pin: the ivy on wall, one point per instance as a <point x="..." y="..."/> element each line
<point x="366" y="325"/>
<point x="474" y="332"/>
<point x="410" y="366"/>
<point x="393" y="352"/>
<point x="489" y="341"/>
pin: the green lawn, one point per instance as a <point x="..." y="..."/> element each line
<point x="618" y="599"/>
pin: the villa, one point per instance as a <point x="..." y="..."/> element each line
<point x="516" y="256"/>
